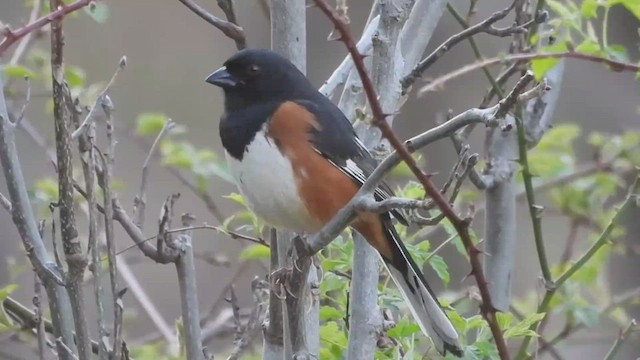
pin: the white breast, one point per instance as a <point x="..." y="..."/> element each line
<point x="265" y="179"/>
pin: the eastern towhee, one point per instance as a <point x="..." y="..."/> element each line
<point x="297" y="160"/>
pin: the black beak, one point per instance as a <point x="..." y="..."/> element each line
<point x="222" y="78"/>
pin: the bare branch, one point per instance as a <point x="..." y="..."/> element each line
<point x="185" y="266"/>
<point x="140" y="201"/>
<point x="101" y="100"/>
<point x="624" y="335"/>
<point x="273" y="347"/>
<point x="37" y="311"/>
<point x="485" y="26"/>
<point x="11" y="36"/>
<point x="231" y="30"/>
<point x="614" y="65"/>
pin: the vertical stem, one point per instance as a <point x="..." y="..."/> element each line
<point x="185" y="266"/>
<point x="24" y="219"/>
<point x="72" y="248"/>
<point x="365" y="320"/>
<point x="288" y="38"/>
<point x="273" y="348"/>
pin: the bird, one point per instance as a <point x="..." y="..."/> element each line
<point x="296" y="160"/>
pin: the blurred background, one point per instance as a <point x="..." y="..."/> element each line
<point x="170" y="51"/>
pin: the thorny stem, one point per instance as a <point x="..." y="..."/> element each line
<point x="535" y="211"/>
<point x="461" y="225"/>
<point x="630" y="200"/>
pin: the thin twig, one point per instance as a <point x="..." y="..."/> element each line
<point x="485" y="26"/>
<point x="108" y="162"/>
<point x="229" y="11"/>
<point x="100" y="100"/>
<point x="624" y="335"/>
<point x="140" y="201"/>
<point x="231" y="30"/>
<point x="11" y="36"/>
<point x="616" y="66"/>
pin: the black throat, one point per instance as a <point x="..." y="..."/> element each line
<point x="239" y="125"/>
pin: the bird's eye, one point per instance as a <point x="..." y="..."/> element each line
<point x="253" y="69"/>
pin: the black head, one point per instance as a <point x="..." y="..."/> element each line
<point x="258" y="75"/>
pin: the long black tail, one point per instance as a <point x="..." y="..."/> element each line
<point x="419" y="297"/>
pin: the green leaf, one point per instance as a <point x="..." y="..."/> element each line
<point x="441" y="268"/>
<point x="237" y="198"/>
<point x="618" y="52"/>
<point x="75" y="76"/>
<point x="634" y="7"/>
<point x="255" y="252"/>
<point x="589" y="9"/>
<point x="403" y="329"/>
<point x="589" y="47"/>
<point x="99" y="12"/>
<point x="504" y="319"/>
<point x="521" y="329"/>
<point x="330" y="313"/>
<point x="541" y="66"/>
<point x="18" y="71"/>
<point x="150" y="123"/>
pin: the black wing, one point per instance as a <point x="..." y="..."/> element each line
<point x="337" y="142"/>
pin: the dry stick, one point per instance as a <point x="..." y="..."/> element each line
<point x="461" y="225"/>
<point x="231" y="30"/>
<point x="543" y="307"/>
<point x="11" y="36"/>
<point x="72" y="248"/>
<point x="616" y="66"/>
